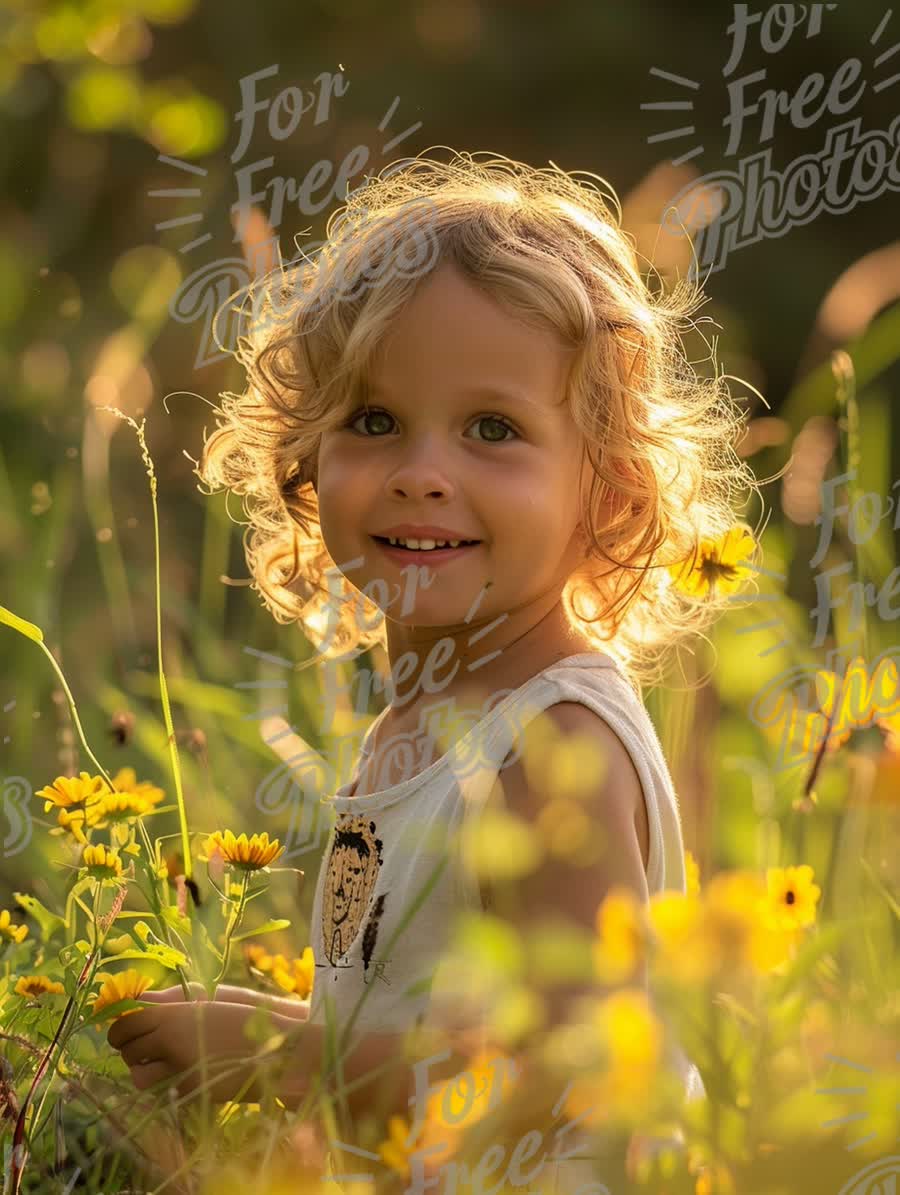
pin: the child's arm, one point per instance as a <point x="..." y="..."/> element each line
<point x="299" y="1009"/>
<point x="383" y="1069"/>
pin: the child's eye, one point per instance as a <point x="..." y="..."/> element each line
<point x="376" y="413"/>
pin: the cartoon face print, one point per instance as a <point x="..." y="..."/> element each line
<point x="353" y="866"/>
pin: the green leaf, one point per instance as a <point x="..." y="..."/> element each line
<point x="49" y="922"/>
<point x="166" y="956"/>
<point x="28" y="629"/>
<point x="207" y="942"/>
<point x="77" y="952"/>
<point x="177" y="920"/>
<point x="268" y="927"/>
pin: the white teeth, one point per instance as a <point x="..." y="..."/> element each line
<point x="425" y="545"/>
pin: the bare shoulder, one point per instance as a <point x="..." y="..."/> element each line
<point x="618" y="792"/>
<point x="612" y="800"/>
<point x="572" y="719"/>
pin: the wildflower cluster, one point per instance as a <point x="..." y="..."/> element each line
<point x="86" y="802"/>
<point x="294" y="976"/>
<point x="741" y="920"/>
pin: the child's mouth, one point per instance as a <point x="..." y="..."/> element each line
<point x="424" y="555"/>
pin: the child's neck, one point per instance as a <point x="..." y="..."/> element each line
<point x="510" y="660"/>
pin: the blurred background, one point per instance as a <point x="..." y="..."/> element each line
<point x="132" y="128"/>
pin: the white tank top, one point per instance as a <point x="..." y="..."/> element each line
<point x="388" y="850"/>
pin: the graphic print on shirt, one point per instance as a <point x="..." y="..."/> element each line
<point x="370" y="937"/>
<point x="353" y="866"/>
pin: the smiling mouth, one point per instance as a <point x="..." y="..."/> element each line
<point x="471" y="543"/>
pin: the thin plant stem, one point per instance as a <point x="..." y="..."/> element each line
<point x="849" y="438"/>
<point x="74" y="712"/>
<point x="163" y="687"/>
<point x="234" y="922"/>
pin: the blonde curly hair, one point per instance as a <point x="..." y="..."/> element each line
<point x="549" y="249"/>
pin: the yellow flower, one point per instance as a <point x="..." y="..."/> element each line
<point x="304" y="973"/>
<point x="714" y="1179"/>
<point x="101" y="862"/>
<point x="622" y="935"/>
<point x="633" y="1039"/>
<point x="717" y="567"/>
<point x="768" y="949"/>
<point x="127" y="985"/>
<point x="449" y="1111"/>
<point x="125" y="780"/>
<point x="71" y="820"/>
<point x="36" y="985"/>
<point x="739" y="926"/>
<point x="251" y="854"/>
<point x="731" y="916"/>
<point x="451" y="1107"/>
<point x="66" y="791"/>
<point x="15" y="933"/>
<point x="256" y="955"/>
<point x="116" y="807"/>
<point x="856" y="699"/>
<point x="395" y="1150"/>
<point x="292" y="975"/>
<point x="681" y="947"/>
<point x="791" y="897"/>
<point x="297" y="976"/>
<point x="692" y="874"/>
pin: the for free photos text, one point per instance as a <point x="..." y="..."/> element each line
<point x="864" y="518"/>
<point x="862" y="694"/>
<point x="212" y="288"/>
<point x="497" y="1166"/>
<point x="753" y="201"/>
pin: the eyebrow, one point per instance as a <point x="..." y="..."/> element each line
<point x="495" y="392"/>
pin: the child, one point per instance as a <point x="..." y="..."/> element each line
<point x="450" y="298"/>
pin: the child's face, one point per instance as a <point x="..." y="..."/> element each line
<point x="428" y="453"/>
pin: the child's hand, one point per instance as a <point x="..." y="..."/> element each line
<point x="225" y="994"/>
<point x="165" y="1043"/>
<point x="230" y="994"/>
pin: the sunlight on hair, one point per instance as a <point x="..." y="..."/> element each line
<point x="661" y="438"/>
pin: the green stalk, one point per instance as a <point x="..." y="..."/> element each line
<point x="234" y="921"/>
<point x="74" y="711"/>
<point x="854" y="820"/>
<point x="50" y="1057"/>
<point x="95" y="455"/>
<point x="851" y="459"/>
<point x="163" y="687"/>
